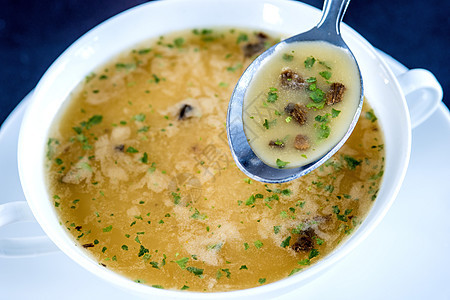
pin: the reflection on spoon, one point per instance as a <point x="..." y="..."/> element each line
<point x="283" y="124"/>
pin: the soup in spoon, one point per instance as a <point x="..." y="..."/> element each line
<point x="300" y="103"/>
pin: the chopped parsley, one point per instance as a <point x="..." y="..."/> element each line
<point x="178" y="42"/>
<point x="272" y="95"/>
<point x="144" y="158"/>
<point x="258" y="244"/>
<point x="370" y="116"/>
<point x="352" y="163"/>
<point x="182" y="262"/>
<point x="276" y="229"/>
<point x="296" y="270"/>
<point x="176" y="198"/>
<point x="234" y="68"/>
<point x="325" y="74"/>
<point x="313" y="253"/>
<point x="142" y="251"/>
<point x="196" y="271"/>
<point x="281" y="164"/>
<point x="309" y="62"/>
<point x="198" y="216"/>
<point x="288" y="57"/>
<point x="132" y="150"/>
<point x="241" y="38"/>
<point x="286" y="242"/>
<point x="139" y="117"/>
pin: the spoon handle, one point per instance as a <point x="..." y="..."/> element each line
<point x="333" y="12"/>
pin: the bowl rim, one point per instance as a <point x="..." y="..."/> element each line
<point x="82" y="259"/>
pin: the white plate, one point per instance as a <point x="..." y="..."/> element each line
<point x="406" y="256"/>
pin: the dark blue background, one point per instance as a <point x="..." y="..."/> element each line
<point x="34" y="33"/>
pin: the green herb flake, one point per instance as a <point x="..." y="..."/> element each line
<point x="251" y="200"/>
<point x="313" y="253"/>
<point x="352" y="163"/>
<point x="196" y="271"/>
<point x="182" y="262"/>
<point x="156" y="79"/>
<point x="107" y="228"/>
<point x="317" y="96"/>
<point x="296" y="270"/>
<point x="315" y="106"/>
<point x="323" y="131"/>
<point x="127" y="67"/>
<point x="142" y="251"/>
<point x="311" y="79"/>
<point x="325" y="65"/>
<point x="262" y="280"/>
<point x="286" y="242"/>
<point x="335" y="113"/>
<point x="243" y="267"/>
<point x="144" y="158"/>
<point x="272" y="95"/>
<point x="178" y="42"/>
<point x="309" y="62"/>
<point x="132" y="150"/>
<point x="157" y="286"/>
<point x="281" y="164"/>
<point x="184" y="287"/>
<point x="288" y="57"/>
<point x="325" y="74"/>
<point x="234" y="68"/>
<point x="85" y="166"/>
<point x="139" y="117"/>
<point x="276" y="229"/>
<point x="144" y="51"/>
<point x="258" y="244"/>
<point x="322" y="119"/>
<point x="370" y="116"/>
<point x="125" y="247"/>
<point x="143" y="129"/>
<point x="176" y="198"/>
<point x="242" y="37"/>
<point x="304" y="262"/>
<point x="198" y="216"/>
<point x="377" y="176"/>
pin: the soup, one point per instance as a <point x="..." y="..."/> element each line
<point x="301" y="103"/>
<point x="142" y="177"/>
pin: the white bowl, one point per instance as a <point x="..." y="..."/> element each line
<point x="156" y="18"/>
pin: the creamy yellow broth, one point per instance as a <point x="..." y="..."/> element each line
<point x="142" y="177"/>
<point x="303" y="75"/>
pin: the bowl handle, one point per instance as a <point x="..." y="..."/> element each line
<point x="19" y="211"/>
<point x="423" y="94"/>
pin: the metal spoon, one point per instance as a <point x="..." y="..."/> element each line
<point x="326" y="30"/>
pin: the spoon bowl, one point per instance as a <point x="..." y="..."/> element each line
<point x="327" y="30"/>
